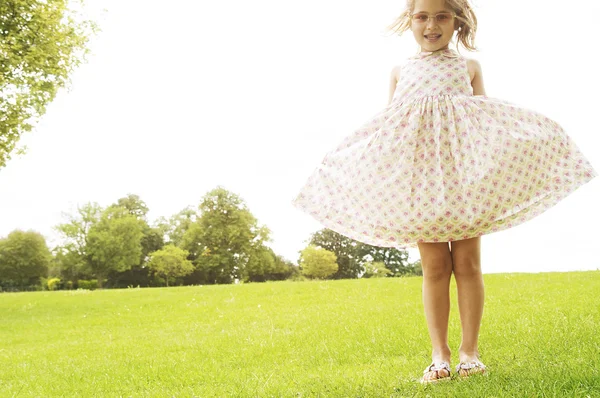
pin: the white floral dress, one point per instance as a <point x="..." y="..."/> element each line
<point x="439" y="164"/>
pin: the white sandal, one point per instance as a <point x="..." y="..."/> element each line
<point x="434" y="368"/>
<point x="480" y="368"/>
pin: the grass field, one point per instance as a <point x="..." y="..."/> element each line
<point x="350" y="338"/>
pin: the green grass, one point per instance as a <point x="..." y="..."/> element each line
<point x="351" y="338"/>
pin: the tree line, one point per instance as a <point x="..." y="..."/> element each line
<point x="219" y="242"/>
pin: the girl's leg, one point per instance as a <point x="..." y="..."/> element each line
<point x="466" y="261"/>
<point x="436" y="262"/>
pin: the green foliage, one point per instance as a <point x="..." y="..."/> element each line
<point x="224" y="243"/>
<point x="41" y="42"/>
<point x="416" y="267"/>
<point x="24" y="258"/>
<point x="297" y="277"/>
<point x="317" y="262"/>
<point x="152" y="240"/>
<point x="260" y="263"/>
<point x="113" y="243"/>
<point x="170" y="262"/>
<point x="75" y="233"/>
<point x="345" y="249"/>
<point x="376" y="269"/>
<point x="264" y="265"/>
<point x="191" y="241"/>
<point x="53" y="283"/>
<point x="278" y="269"/>
<point x="352" y="255"/>
<point x="103" y="243"/>
<point x="71" y="257"/>
<point x="134" y="206"/>
<point x="177" y="226"/>
<point x="87" y="284"/>
<point x="394" y="259"/>
<point x="69" y="264"/>
<point x="224" y="239"/>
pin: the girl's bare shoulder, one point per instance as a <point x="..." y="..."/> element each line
<point x="395" y="73"/>
<point x="474" y="67"/>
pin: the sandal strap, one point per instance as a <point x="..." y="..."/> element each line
<point x="470" y="365"/>
<point x="434" y="368"/>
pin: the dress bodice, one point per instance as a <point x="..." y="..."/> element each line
<point x="438" y="73"/>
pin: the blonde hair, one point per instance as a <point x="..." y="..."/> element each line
<point x="465" y="16"/>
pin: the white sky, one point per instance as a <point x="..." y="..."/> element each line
<point x="177" y="99"/>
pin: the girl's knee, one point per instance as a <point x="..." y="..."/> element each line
<point x="436" y="260"/>
<point x="437" y="269"/>
<point x="466" y="267"/>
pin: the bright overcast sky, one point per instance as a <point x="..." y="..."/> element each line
<point x="179" y="97"/>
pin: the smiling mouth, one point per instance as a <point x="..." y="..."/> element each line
<point x="432" y="36"/>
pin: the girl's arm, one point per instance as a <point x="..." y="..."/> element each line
<point x="394" y="77"/>
<point x="476" y="77"/>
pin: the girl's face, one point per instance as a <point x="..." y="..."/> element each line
<point x="434" y="33"/>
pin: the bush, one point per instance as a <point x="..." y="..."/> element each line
<point x="317" y="262"/>
<point x="53" y="283"/>
<point x="376" y="269"/>
<point x="297" y="277"/>
<point x="89" y="285"/>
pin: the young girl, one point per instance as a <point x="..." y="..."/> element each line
<point x="440" y="166"/>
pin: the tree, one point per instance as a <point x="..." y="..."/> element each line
<point x="376" y="269"/>
<point x="349" y="259"/>
<point x="261" y="264"/>
<point x="24" y="258"/>
<point x="69" y="266"/>
<point x="265" y="265"/>
<point x="134" y="206"/>
<point x="100" y="242"/>
<point x="317" y="262"/>
<point x="191" y="241"/>
<point x="352" y="255"/>
<point x="395" y="260"/>
<point x="113" y="243"/>
<point x="284" y="269"/>
<point x="152" y="240"/>
<point x="77" y="227"/>
<point x="71" y="255"/>
<point x="224" y="238"/>
<point x="170" y="262"/>
<point x="41" y="42"/>
<point x="416" y="268"/>
<point x="176" y="227"/>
